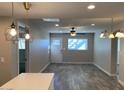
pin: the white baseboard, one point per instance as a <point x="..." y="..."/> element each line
<point x="44" y="67"/>
<point x="109" y="74"/>
<point x="121" y="82"/>
<point x="73" y="62"/>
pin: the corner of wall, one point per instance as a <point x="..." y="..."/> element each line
<point x="121" y="82"/>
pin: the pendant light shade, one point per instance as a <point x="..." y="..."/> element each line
<point x="12" y="34"/>
<point x="73" y="32"/>
<point x="102" y="35"/>
<point x="27" y="36"/>
<point x="119" y="34"/>
<point x="27" y="7"/>
<point x="111" y="35"/>
<point x="12" y="31"/>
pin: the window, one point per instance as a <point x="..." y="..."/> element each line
<point x="77" y="44"/>
<point x="21" y="43"/>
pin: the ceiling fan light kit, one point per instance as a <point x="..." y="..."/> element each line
<point x="73" y="32"/>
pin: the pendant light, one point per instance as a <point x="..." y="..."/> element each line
<point x="11" y="33"/>
<point x="27" y="35"/>
<point x="27" y="6"/>
<point x="13" y="27"/>
<point x="73" y="32"/>
<point x="119" y="34"/>
<point x="102" y="35"/>
<point x="111" y="35"/>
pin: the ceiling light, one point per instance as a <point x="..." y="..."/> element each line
<point x="27" y="36"/>
<point x="91" y="7"/>
<point x="102" y="35"/>
<point x="73" y="32"/>
<point x="11" y="33"/>
<point x="119" y="34"/>
<point x="51" y="19"/>
<point x="56" y="25"/>
<point x="92" y="24"/>
<point x="27" y="7"/>
<point x="111" y="35"/>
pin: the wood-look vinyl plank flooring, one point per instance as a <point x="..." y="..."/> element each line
<point x="81" y="77"/>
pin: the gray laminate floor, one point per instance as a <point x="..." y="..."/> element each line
<point x="83" y="77"/>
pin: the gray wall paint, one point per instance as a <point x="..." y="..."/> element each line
<point x="105" y="54"/>
<point x="114" y="56"/>
<point x="9" y="68"/>
<point x="78" y="56"/>
<point x="121" y="53"/>
<point x="38" y="52"/>
<point x="102" y="53"/>
<point x="121" y="63"/>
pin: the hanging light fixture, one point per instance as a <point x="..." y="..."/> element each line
<point x="11" y="33"/>
<point x="103" y="34"/>
<point x="73" y="32"/>
<point x="111" y="35"/>
<point x="27" y="6"/>
<point x="27" y="35"/>
<point x="119" y="34"/>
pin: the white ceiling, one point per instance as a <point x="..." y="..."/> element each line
<point x="70" y="13"/>
<point x="65" y="10"/>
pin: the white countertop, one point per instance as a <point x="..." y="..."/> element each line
<point x="30" y="81"/>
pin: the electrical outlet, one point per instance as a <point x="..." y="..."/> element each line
<point x="2" y="59"/>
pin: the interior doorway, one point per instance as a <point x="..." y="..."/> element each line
<point x="23" y="46"/>
<point x="22" y="56"/>
<point x="56" y="54"/>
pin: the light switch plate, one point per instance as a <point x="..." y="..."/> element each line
<point x="2" y="59"/>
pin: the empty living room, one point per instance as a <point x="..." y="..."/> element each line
<point x="61" y="45"/>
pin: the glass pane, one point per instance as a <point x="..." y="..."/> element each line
<point x="21" y="43"/>
<point x="77" y="44"/>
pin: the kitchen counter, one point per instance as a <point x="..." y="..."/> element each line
<point x="31" y="81"/>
